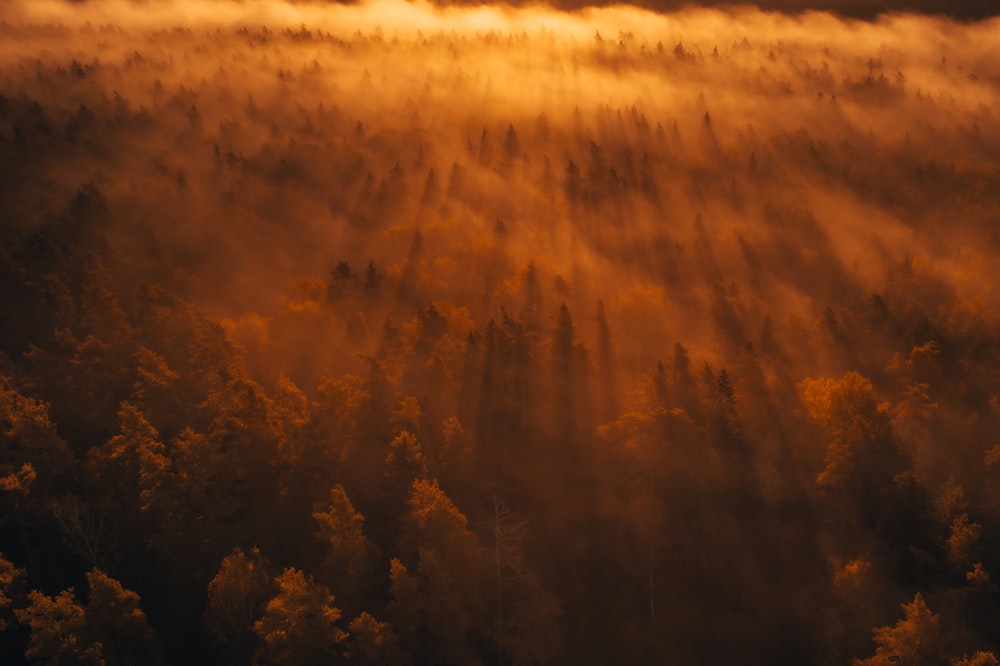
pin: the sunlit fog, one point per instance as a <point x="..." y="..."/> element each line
<point x="398" y="333"/>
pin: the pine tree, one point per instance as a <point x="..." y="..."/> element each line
<point x="348" y="566"/>
<point x="915" y="640"/>
<point x="300" y="625"/>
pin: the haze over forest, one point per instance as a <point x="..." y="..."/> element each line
<point x="397" y="333"/>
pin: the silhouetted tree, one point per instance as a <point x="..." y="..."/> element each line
<point x="606" y="366"/>
<point x="511" y="144"/>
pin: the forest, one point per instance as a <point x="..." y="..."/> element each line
<point x="391" y="333"/>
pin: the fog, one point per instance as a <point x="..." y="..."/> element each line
<point x="654" y="279"/>
<point x="736" y="116"/>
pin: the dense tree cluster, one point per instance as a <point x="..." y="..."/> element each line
<point x="379" y="358"/>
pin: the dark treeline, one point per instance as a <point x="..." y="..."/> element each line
<point x="586" y="345"/>
<point x="862" y="9"/>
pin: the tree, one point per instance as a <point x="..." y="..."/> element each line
<point x="373" y="643"/>
<point x="85" y="529"/>
<point x="977" y="659"/>
<point x="245" y="440"/>
<point x="435" y="522"/>
<point x="861" y="458"/>
<point x="110" y="631"/>
<point x="405" y="460"/>
<point x="682" y="382"/>
<point x="531" y="298"/>
<point x="851" y="613"/>
<point x="725" y="317"/>
<point x="349" y="563"/>
<point x="724" y="423"/>
<point x="456" y="454"/>
<point x="236" y="598"/>
<point x="533" y="632"/>
<point x="291" y="417"/>
<point x="154" y="392"/>
<point x="406" y="608"/>
<point x="962" y="544"/>
<point x="89" y="367"/>
<point x="438" y="607"/>
<point x="300" y="624"/>
<point x="123" y="478"/>
<point x="191" y="532"/>
<point x="372" y="277"/>
<point x="915" y="640"/>
<point x="117" y="623"/>
<point x="432" y="189"/>
<point x="568" y="364"/>
<point x="506" y="534"/>
<point x="127" y="470"/>
<point x="36" y="465"/>
<point x="11" y="590"/>
<point x="28" y="436"/>
<point x="485" y="149"/>
<point x="572" y="183"/>
<point x="342" y="282"/>
<point x="526" y="629"/>
<point x="57" y="626"/>
<point x="606" y="366"/>
<point x="596" y="173"/>
<point x="647" y="179"/>
<point x="511" y="145"/>
<point x="864" y="478"/>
